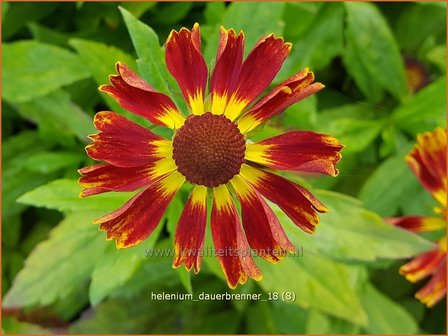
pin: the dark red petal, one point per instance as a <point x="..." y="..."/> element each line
<point x="124" y="143"/>
<point x="231" y="247"/>
<point x="137" y="219"/>
<point x="418" y="223"/>
<point x="262" y="227"/>
<point x="185" y="62"/>
<point x="423" y="265"/>
<point x="291" y="91"/>
<point x="257" y="72"/>
<point x="102" y="178"/>
<point x="298" y="150"/>
<point x="428" y="161"/>
<point x="229" y="59"/>
<point x="190" y="232"/>
<point x="138" y="97"/>
<point x="299" y="204"/>
<point x="435" y="290"/>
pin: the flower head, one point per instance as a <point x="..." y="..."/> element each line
<point x="428" y="162"/>
<point x="210" y="152"/>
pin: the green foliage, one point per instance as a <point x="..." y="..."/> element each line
<point x="73" y="247"/>
<point x="63" y="195"/>
<point x="397" y="320"/>
<point x="255" y="19"/>
<point x="58" y="269"/>
<point x="424" y="111"/>
<point x="32" y="69"/>
<point x="376" y="193"/>
<point x="368" y="40"/>
<point x="319" y="282"/>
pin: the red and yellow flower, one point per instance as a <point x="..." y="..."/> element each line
<point x="428" y="162"/>
<point x="210" y="152"/>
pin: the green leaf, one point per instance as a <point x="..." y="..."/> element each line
<point x="13" y="326"/>
<point x="32" y="69"/>
<point x="172" y="12"/>
<point x="214" y="12"/>
<point x="19" y="14"/>
<point x="57" y="111"/>
<point x="63" y="195"/>
<point x="48" y="35"/>
<point x="151" y="61"/>
<point x="137" y="8"/>
<point x="355" y="134"/>
<point x="297" y="17"/>
<point x="18" y="178"/>
<point x="320" y="323"/>
<point x="410" y="31"/>
<point x="288" y="318"/>
<point x="24" y="142"/>
<point x="50" y="162"/>
<point x="320" y="43"/>
<point x="437" y="56"/>
<point x="361" y="235"/>
<point x="57" y="265"/>
<point x="384" y="189"/>
<point x="317" y="282"/>
<point x="117" y="266"/>
<point x="384" y="315"/>
<point x="424" y="111"/>
<point x="369" y="39"/>
<point x="259" y="319"/>
<point x="100" y="60"/>
<point x="302" y="115"/>
<point x="254" y="18"/>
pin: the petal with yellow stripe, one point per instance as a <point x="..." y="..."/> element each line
<point x="297" y="202"/>
<point x="263" y="230"/>
<point x="257" y="72"/>
<point x="229" y="59"/>
<point x="124" y="143"/>
<point x="231" y="247"/>
<point x="428" y="162"/>
<point x="190" y="232"/>
<point x="138" y="97"/>
<point x="298" y="151"/>
<point x="418" y="223"/>
<point x="102" y="178"/>
<point x="289" y="92"/>
<point x="185" y="62"/>
<point x="423" y="265"/>
<point x="435" y="290"/>
<point x="137" y="219"/>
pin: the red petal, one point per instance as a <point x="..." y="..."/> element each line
<point x="284" y="95"/>
<point x="137" y="219"/>
<point x="138" y="97"/>
<point x="299" y="151"/>
<point x="102" y="178"/>
<point x="418" y="223"/>
<point x="124" y="143"/>
<point x="231" y="247"/>
<point x="228" y="66"/>
<point x="298" y="203"/>
<point x="257" y="72"/>
<point x="190" y="231"/>
<point x="435" y="289"/>
<point x="187" y="65"/>
<point x="423" y="265"/>
<point x="428" y="162"/>
<point x="262" y="227"/>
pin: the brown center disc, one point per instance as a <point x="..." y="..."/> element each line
<point x="209" y="149"/>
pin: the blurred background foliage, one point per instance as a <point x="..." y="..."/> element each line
<point x="384" y="67"/>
